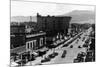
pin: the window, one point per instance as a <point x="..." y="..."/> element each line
<point x="41" y="41"/>
<point x="34" y="44"/>
<point x="27" y="45"/>
<point x="45" y="40"/>
<point x="31" y="44"/>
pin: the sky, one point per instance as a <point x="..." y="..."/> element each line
<point x="23" y="8"/>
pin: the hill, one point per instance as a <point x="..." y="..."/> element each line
<point x="81" y="16"/>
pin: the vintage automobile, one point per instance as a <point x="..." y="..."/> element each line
<point x="71" y="46"/>
<point x="41" y="53"/>
<point x="79" y="46"/>
<point x="64" y="54"/>
<point x="81" y="54"/>
<point x="45" y="60"/>
<point x="89" y="56"/>
<point x="80" y="57"/>
<point x="22" y="62"/>
<point x="53" y="55"/>
<point x="77" y="60"/>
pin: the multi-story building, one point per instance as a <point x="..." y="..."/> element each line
<point x="35" y="41"/>
<point x="22" y="41"/>
<point x="53" y="25"/>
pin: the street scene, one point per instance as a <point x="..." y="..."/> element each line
<point x="41" y="34"/>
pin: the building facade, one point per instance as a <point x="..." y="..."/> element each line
<point x="17" y="36"/>
<point x="35" y="41"/>
<point x="19" y="39"/>
<point x="53" y="25"/>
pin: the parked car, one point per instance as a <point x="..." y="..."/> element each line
<point x="88" y="59"/>
<point x="77" y="60"/>
<point x="79" y="46"/>
<point x="83" y="39"/>
<point x="85" y="45"/>
<point x="89" y="56"/>
<point x="41" y="53"/>
<point x="53" y="55"/>
<point x="45" y="60"/>
<point x="22" y="62"/>
<point x="81" y="54"/>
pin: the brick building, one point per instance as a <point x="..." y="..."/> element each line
<point x="53" y="24"/>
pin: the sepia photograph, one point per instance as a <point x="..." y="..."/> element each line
<point x="44" y="33"/>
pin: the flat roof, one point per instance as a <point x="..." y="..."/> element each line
<point x="34" y="35"/>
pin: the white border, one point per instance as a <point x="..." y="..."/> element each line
<point x="5" y="32"/>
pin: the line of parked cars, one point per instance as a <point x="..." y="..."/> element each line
<point x="80" y="57"/>
<point x="27" y="57"/>
<point x="89" y="56"/>
<point x="49" y="57"/>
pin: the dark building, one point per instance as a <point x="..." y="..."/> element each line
<point x="77" y="27"/>
<point x="20" y="38"/>
<point x="25" y="45"/>
<point x="17" y="29"/>
<point x="53" y="25"/>
<point x="17" y="35"/>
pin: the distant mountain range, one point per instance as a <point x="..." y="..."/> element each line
<point x="81" y="16"/>
<point x="78" y="16"/>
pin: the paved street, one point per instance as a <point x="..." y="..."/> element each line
<point x="71" y="52"/>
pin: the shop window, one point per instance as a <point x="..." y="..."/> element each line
<point x="34" y="44"/>
<point x="27" y="45"/>
<point x="41" y="41"/>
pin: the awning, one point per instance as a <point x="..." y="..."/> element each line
<point x="13" y="64"/>
<point x="34" y="53"/>
<point x="18" y="50"/>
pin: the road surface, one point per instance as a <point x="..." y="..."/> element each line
<point x="71" y="52"/>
